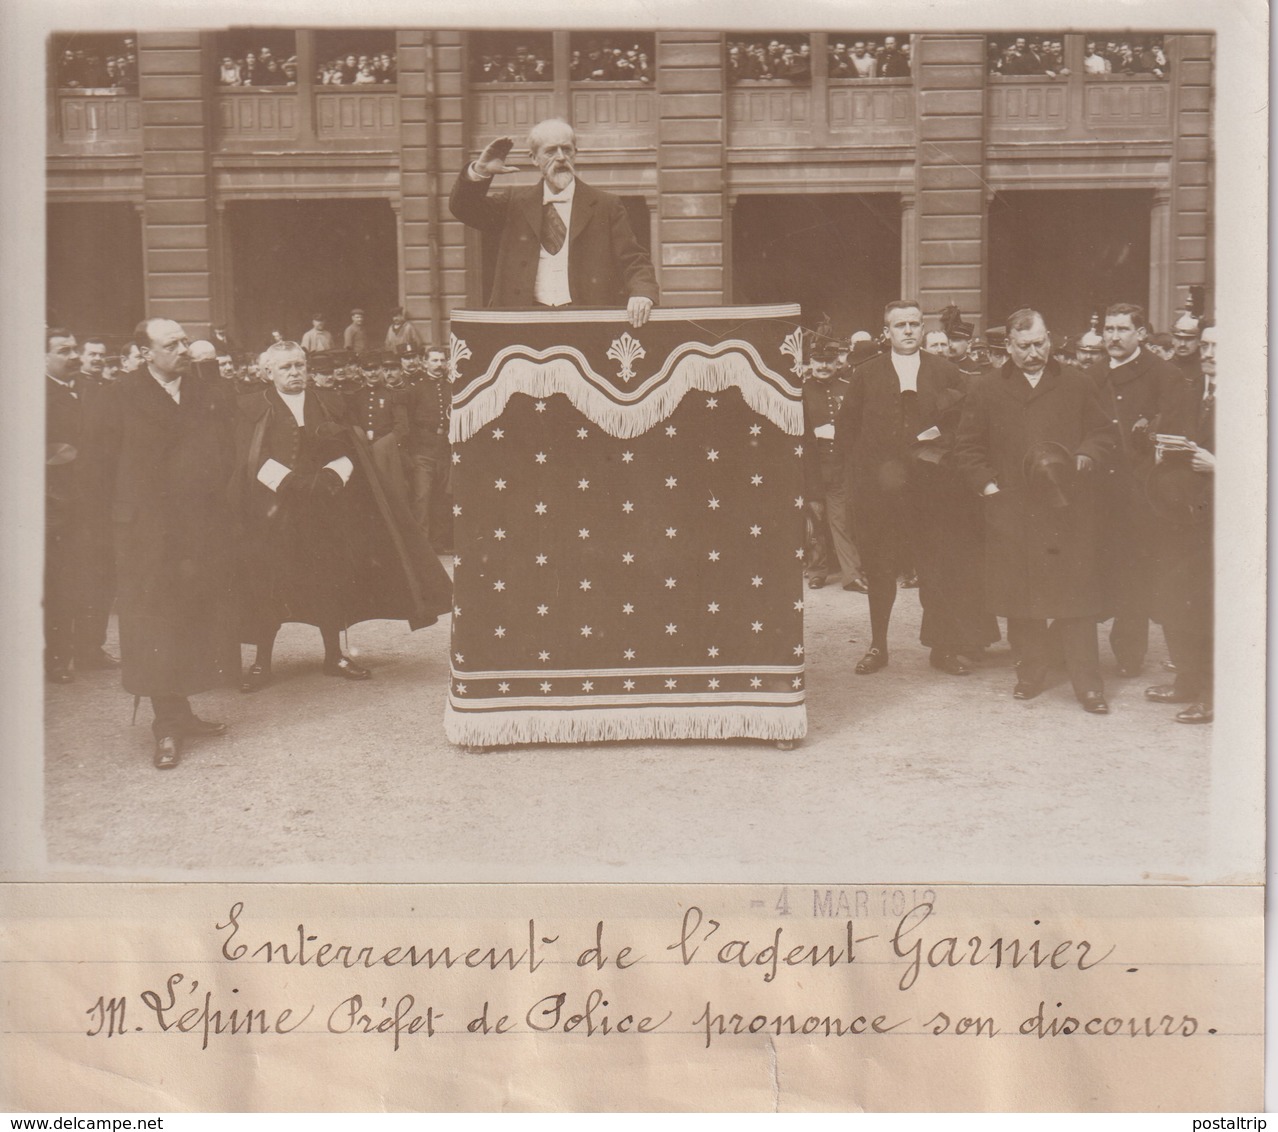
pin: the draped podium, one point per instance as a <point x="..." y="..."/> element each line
<point x="629" y="526"/>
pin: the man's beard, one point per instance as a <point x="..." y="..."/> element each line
<point x="559" y="177"/>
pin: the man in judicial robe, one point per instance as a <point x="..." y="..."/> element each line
<point x="323" y="542"/>
<point x="895" y="429"/>
<point x="1033" y="441"/>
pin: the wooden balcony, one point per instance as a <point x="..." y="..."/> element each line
<point x="1077" y="107"/>
<point x="837" y="112"/>
<point x="512" y="109"/>
<point x="614" y="117"/>
<point x="107" y="122"/>
<point x="257" y="115"/>
<point x="349" y="113"/>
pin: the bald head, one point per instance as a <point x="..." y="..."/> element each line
<point x="164" y="346"/>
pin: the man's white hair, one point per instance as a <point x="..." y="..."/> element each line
<point x="267" y="356"/>
<point x="539" y="131"/>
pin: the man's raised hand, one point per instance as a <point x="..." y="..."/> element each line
<point x="493" y="160"/>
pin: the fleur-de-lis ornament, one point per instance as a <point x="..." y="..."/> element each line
<point x="458" y="352"/>
<point x="793" y="346"/>
<point x="627" y="351"/>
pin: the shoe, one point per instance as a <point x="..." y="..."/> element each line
<point x="1026" y="690"/>
<point x="346" y="667"/>
<point x="857" y="585"/>
<point x="910" y="582"/>
<point x="948" y="662"/>
<point x="256" y="678"/>
<point x="872" y="661"/>
<point x="1167" y="694"/>
<point x="1094" y="702"/>
<point x="59" y="672"/>
<point x="97" y="658"/>
<point x="816" y="582"/>
<point x="167" y="753"/>
<point x="194" y="725"/>
<point x="1196" y="713"/>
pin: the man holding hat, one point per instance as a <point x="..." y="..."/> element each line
<point x="1033" y="440"/>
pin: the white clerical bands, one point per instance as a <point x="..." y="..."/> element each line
<point x="272" y="472"/>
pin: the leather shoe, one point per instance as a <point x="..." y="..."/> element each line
<point x="1196" y="713"/>
<point x="347" y="668"/>
<point x="857" y="585"/>
<point x="256" y="678"/>
<point x="167" y="753"/>
<point x="59" y="672"/>
<point x="948" y="662"/>
<point x="910" y="582"/>
<point x="1167" y="694"/>
<point x="194" y="725"/>
<point x="1026" y="690"/>
<point x="1094" y="702"/>
<point x="98" y="658"/>
<point x="872" y="661"/>
<point x="816" y="582"/>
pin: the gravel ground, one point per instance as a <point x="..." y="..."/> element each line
<point x="905" y="775"/>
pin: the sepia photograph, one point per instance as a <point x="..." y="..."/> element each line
<point x="618" y="454"/>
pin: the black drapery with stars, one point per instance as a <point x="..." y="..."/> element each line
<point x="629" y="524"/>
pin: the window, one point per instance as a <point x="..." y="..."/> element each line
<point x="1026" y="53"/>
<point x="1119" y="53"/>
<point x="767" y="57"/>
<point x="257" y="57"/>
<point x="868" y="55"/>
<point x="95" y="61"/>
<point x="612" y="57"/>
<point x="355" y="57"/>
<point x="511" y="57"/>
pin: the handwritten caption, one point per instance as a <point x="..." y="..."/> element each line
<point x="547" y="975"/>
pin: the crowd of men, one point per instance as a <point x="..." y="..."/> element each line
<point x="111" y="66"/>
<point x="867" y="58"/>
<point x="1044" y="55"/>
<point x="932" y="464"/>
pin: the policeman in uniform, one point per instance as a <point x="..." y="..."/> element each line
<point x="824" y="484"/>
<point x="429" y="457"/>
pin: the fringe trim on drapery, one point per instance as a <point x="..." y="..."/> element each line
<point x="738" y="365"/>
<point x="509" y="728"/>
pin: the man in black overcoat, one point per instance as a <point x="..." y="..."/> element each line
<point x="1136" y="385"/>
<point x="1033" y="441"/>
<point x="1183" y="491"/>
<point x="895" y="429"/>
<point x="322" y="540"/>
<point x="167" y="433"/>
<point x="78" y="579"/>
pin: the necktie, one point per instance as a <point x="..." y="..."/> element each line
<point x="553" y="232"/>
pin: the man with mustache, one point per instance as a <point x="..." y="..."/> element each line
<point x="563" y="243"/>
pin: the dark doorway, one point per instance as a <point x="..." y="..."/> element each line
<point x="94" y="284"/>
<point x="1068" y="254"/>
<point x="837" y="254"/>
<point x="637" y="213"/>
<point x="293" y="258"/>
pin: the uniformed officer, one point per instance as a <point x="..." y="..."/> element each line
<point x="824" y="483"/>
<point x="429" y="457"/>
<point x="382" y="417"/>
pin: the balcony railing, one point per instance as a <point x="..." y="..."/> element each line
<point x="353" y="114"/>
<point x="108" y="122"/>
<point x="342" y="114"/>
<point x="258" y="115"/>
<point x="841" y="111"/>
<point x="1078" y="106"/>
<point x="615" y="117"/>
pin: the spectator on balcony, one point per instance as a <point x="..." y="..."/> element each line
<point x="794" y="67"/>
<point x="386" y="68"/>
<point x="1094" y="63"/>
<point x="289" y="70"/>
<point x="365" y="75"/>
<point x="1149" y="59"/>
<point x="1018" y="60"/>
<point x="863" y="63"/>
<point x="271" y="74"/>
<point x="348" y="68"/>
<point x="1052" y="59"/>
<point x="251" y="71"/>
<point x="229" y="75"/>
<point x="893" y="62"/>
<point x="837" y="64"/>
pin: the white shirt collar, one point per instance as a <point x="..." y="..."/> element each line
<point x="58" y="381"/>
<point x="168" y="385"/>
<point x="1134" y="355"/>
<point x="548" y="195"/>
<point x="907" y="369"/>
